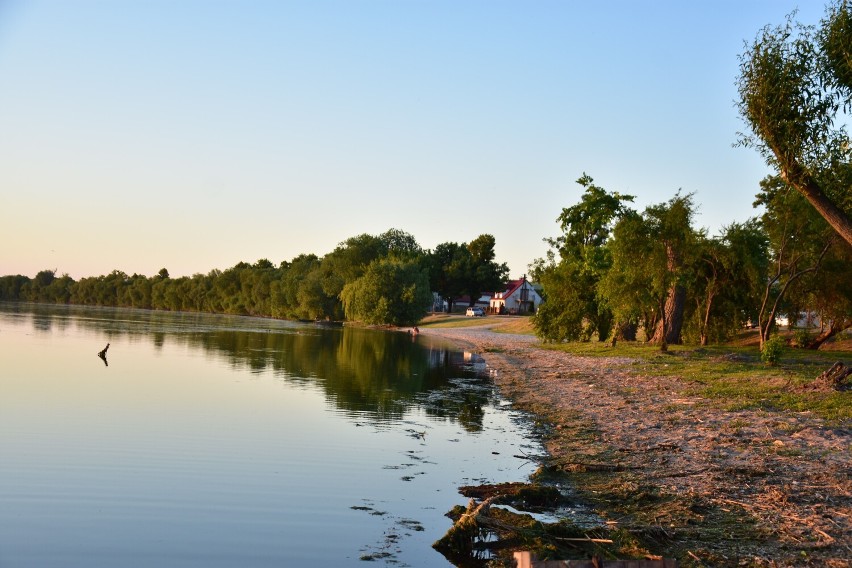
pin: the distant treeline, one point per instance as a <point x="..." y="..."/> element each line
<point x="384" y="279"/>
<point x="611" y="273"/>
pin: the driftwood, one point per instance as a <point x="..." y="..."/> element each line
<point x="832" y="379"/>
<point x="484" y="525"/>
<point x="460" y="538"/>
<point x="102" y="354"/>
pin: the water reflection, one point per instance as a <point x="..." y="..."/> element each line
<point x="223" y="441"/>
<point x="366" y="374"/>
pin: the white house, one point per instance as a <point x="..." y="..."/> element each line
<point x="520" y="297"/>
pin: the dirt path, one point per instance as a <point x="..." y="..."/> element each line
<point x="731" y="488"/>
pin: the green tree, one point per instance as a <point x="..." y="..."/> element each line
<point x="349" y="259"/>
<point x="828" y="294"/>
<point x="59" y="290"/>
<point x="465" y="269"/>
<point x="795" y="82"/>
<point x="312" y="300"/>
<point x="799" y="242"/>
<point x="484" y="274"/>
<point x="391" y="291"/>
<point x="400" y="244"/>
<point x="174" y="294"/>
<point x="448" y="268"/>
<point x="11" y="286"/>
<point x="729" y="274"/>
<point x="670" y="225"/>
<point x="572" y="309"/>
<point x="635" y="286"/>
<point x="84" y="292"/>
<point x="812" y="266"/>
<point x="255" y="286"/>
<point x="196" y="292"/>
<point x="285" y="293"/>
<point x="44" y="278"/>
<point x="555" y="319"/>
<point x="139" y="291"/>
<point x="35" y="290"/>
<point x="652" y="262"/>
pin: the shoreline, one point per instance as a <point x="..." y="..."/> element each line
<point x="745" y="487"/>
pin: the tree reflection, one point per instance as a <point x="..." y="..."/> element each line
<point x="365" y="373"/>
<point x="368" y="374"/>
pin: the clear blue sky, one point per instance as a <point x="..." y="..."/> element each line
<point x="194" y="134"/>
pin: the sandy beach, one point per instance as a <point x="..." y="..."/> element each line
<point x="748" y="487"/>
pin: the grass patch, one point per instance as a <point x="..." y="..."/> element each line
<point x="521" y="325"/>
<point x="744" y="382"/>
<point x="734" y="377"/>
<point x="455" y="320"/>
<point x="500" y="324"/>
<point x="622" y="349"/>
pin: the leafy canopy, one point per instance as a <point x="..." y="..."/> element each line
<point x="795" y="86"/>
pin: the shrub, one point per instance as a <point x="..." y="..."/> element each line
<point x="772" y="349"/>
<point x="802" y="337"/>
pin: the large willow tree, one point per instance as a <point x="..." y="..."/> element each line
<point x="653" y="260"/>
<point x="795" y="88"/>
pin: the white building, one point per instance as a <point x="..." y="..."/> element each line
<point x="520" y="297"/>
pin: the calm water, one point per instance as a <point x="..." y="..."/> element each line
<point x="225" y="441"/>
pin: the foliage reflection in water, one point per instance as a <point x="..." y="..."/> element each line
<point x="220" y="441"/>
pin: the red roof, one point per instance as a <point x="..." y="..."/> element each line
<point x="513" y="285"/>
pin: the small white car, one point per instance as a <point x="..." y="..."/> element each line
<point x="474" y="312"/>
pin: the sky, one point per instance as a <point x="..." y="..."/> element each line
<point x="193" y="135"/>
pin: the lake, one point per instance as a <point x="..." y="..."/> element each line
<point x="205" y="440"/>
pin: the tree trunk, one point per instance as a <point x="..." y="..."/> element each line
<point x="766" y="329"/>
<point x="797" y="176"/>
<point x="628" y="331"/>
<point x="670" y="325"/>
<point x="604" y="324"/>
<point x="836" y="327"/>
<point x="624" y="332"/>
<point x="661" y="340"/>
<point x="766" y="325"/>
<point x="705" y="325"/>
<point x="474" y="297"/>
<point x="671" y="320"/>
<point x="650" y="321"/>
